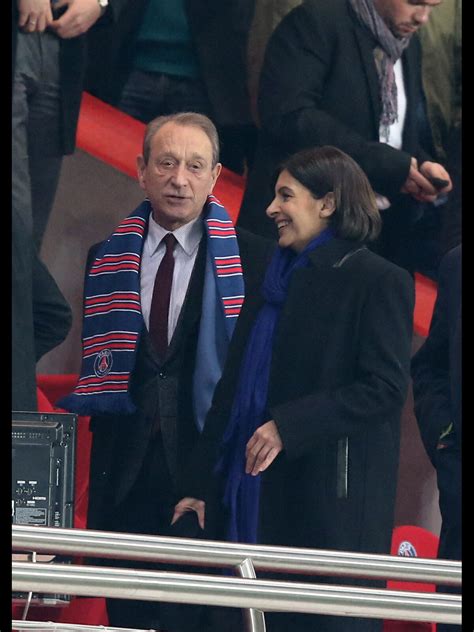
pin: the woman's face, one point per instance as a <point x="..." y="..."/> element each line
<point x="299" y="216"/>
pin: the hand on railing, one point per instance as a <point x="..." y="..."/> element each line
<point x="190" y="504"/>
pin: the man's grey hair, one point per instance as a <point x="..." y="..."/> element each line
<point x="191" y="119"/>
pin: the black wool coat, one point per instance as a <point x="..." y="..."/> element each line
<point x="339" y="377"/>
<point x="338" y="381"/>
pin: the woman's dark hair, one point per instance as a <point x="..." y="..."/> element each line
<point x="327" y="169"/>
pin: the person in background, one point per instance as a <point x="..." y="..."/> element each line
<point x="305" y="422"/>
<point x="436" y="370"/>
<point x="441" y="45"/>
<point x="180" y="55"/>
<point x="347" y="73"/>
<point x="41" y="316"/>
<point x="162" y="296"/>
<point x="439" y="228"/>
<point x="49" y="62"/>
<point x="267" y="15"/>
<point x="441" y="42"/>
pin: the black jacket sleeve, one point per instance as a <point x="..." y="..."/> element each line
<point x="430" y="370"/>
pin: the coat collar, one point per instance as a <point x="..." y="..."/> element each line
<point x="330" y="254"/>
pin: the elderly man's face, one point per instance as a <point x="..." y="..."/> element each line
<point x="179" y="174"/>
<point x="404" y="17"/>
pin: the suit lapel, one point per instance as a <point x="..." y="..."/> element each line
<point x="366" y="45"/>
<point x="413" y="96"/>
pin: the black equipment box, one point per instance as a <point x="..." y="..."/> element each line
<point x="43" y="468"/>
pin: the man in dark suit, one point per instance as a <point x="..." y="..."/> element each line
<point x="148" y="397"/>
<point x="347" y="73"/>
<point x="49" y="56"/>
<point x="437" y="389"/>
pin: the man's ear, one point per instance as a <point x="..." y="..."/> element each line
<point x="215" y="174"/>
<point x="141" y="171"/>
<point x="329" y="205"/>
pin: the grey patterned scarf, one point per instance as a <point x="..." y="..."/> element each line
<point x="390" y="49"/>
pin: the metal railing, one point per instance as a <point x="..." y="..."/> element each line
<point x="245" y="592"/>
<point x="51" y="626"/>
<point x="236" y="592"/>
<point x="226" y="554"/>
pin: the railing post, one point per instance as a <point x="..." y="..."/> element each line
<point x="254" y="620"/>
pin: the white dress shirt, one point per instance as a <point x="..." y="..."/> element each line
<point x="395" y="131"/>
<point x="185" y="252"/>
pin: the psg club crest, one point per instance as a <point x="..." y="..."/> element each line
<point x="406" y="549"/>
<point x="103" y="363"/>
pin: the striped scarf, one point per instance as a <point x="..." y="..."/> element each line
<point x="390" y="49"/>
<point x="113" y="320"/>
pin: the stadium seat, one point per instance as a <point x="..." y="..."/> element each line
<point x="412" y="541"/>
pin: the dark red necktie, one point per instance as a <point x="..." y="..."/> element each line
<point x="160" y="302"/>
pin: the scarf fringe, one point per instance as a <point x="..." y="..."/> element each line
<point x="120" y="405"/>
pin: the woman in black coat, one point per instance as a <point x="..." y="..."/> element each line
<point x="305" y="423"/>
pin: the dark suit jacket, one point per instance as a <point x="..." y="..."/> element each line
<point x="72" y="60"/>
<point x="163" y="388"/>
<point x="319" y="86"/>
<point x="436" y="367"/>
<point x="338" y="382"/>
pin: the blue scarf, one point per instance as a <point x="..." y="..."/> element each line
<point x="242" y="491"/>
<point x="113" y="319"/>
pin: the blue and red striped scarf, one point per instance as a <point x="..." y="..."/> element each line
<point x="113" y="320"/>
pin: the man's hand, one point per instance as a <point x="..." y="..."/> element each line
<point x="262" y="448"/>
<point x="79" y="16"/>
<point x="435" y="170"/>
<point x="35" y="15"/>
<point x="418" y="185"/>
<point x="190" y="504"/>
